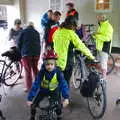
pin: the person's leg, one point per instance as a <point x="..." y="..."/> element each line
<point x="104" y="60"/>
<point x="35" y="65"/>
<point x="26" y="61"/>
<point x="36" y="101"/>
<point x="67" y="73"/>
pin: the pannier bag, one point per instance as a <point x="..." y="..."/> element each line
<point x="89" y="85"/>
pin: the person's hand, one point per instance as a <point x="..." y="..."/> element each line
<point x="29" y="103"/>
<point x="65" y="103"/>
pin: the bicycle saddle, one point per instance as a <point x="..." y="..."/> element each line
<point x="7" y="54"/>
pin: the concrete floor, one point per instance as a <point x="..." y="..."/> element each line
<point x="14" y="106"/>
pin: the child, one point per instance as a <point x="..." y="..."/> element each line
<point x="50" y="81"/>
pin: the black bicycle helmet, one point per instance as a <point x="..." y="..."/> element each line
<point x="17" y="22"/>
<point x="70" y="20"/>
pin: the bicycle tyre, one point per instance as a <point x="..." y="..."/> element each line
<point x="2" y="62"/>
<point x="76" y="76"/>
<point x="111" y="65"/>
<point x="104" y="104"/>
<point x="12" y="73"/>
<point x="53" y="115"/>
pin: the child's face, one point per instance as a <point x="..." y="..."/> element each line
<point x="50" y="65"/>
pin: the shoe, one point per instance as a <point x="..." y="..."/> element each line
<point x="25" y="90"/>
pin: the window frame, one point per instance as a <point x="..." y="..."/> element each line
<point x="104" y="10"/>
<point x="55" y="4"/>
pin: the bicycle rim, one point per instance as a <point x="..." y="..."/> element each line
<point x="12" y="73"/>
<point x="110" y="64"/>
<point x="76" y="76"/>
<point x="1" y="68"/>
<point x="97" y="103"/>
<point x="53" y="115"/>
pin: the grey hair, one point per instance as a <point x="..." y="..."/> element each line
<point x="31" y="24"/>
<point x="104" y="15"/>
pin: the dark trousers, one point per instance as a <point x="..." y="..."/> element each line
<point x="69" y="67"/>
<point x="68" y="72"/>
<point x="40" y="95"/>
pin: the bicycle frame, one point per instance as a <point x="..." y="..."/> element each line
<point x="82" y="66"/>
<point x="2" y="71"/>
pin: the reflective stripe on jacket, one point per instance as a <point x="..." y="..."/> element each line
<point x="104" y="34"/>
<point x="61" y="39"/>
<point x="72" y="13"/>
<point x="51" y="85"/>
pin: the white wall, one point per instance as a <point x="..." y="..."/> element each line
<point x="86" y="11"/>
<point x="13" y="12"/>
<point x="36" y="8"/>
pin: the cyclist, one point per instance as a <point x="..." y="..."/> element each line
<point x="52" y="23"/>
<point x="46" y="17"/>
<point x="103" y="38"/>
<point x="15" y="32"/>
<point x="64" y="39"/>
<point x="28" y="44"/>
<point x="50" y="81"/>
<point x="71" y="11"/>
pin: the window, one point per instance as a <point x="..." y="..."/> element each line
<point x="103" y="5"/>
<point x="56" y="5"/>
<point x="6" y="2"/>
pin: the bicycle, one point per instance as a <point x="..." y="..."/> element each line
<point x="47" y="109"/>
<point x="80" y="74"/>
<point x="90" y="43"/>
<point x="1" y="114"/>
<point x="10" y="69"/>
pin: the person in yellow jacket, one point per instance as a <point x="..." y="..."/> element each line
<point x="103" y="38"/>
<point x="64" y="39"/>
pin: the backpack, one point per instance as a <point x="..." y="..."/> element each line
<point x="89" y="85"/>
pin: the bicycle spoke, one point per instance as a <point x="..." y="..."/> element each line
<point x="12" y="73"/>
<point x="97" y="103"/>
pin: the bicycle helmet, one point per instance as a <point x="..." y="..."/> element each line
<point x="17" y="22"/>
<point x="50" y="54"/>
<point x="70" y="20"/>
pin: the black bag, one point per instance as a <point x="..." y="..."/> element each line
<point x="89" y="85"/>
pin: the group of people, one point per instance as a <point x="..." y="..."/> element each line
<point x="60" y="39"/>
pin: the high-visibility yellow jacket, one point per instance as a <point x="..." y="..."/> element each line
<point x="61" y="40"/>
<point x="104" y="34"/>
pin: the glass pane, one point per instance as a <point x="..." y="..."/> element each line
<point x="99" y="6"/>
<point x="52" y="1"/>
<point x="106" y="6"/>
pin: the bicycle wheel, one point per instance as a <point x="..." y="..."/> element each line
<point x="76" y="76"/>
<point x="52" y="115"/>
<point x="97" y="103"/>
<point x="12" y="73"/>
<point x="110" y="64"/>
<point x="1" y="67"/>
